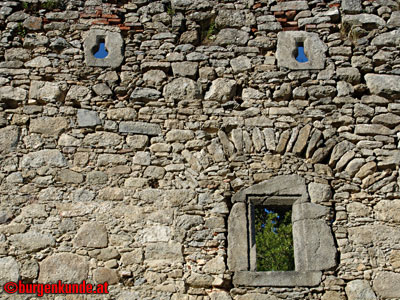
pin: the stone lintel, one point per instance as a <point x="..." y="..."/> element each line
<point x="277" y="278"/>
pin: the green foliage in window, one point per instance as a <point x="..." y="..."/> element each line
<point x="274" y="241"/>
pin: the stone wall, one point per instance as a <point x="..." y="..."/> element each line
<point x="124" y="170"/>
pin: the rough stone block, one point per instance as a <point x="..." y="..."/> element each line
<point x="9" y="270"/>
<point x="87" y="118"/>
<point x="67" y="267"/>
<point x="314" y="248"/>
<point x="140" y="128"/>
<point x="314" y="49"/>
<point x="387" y="285"/>
<point x="9" y="137"/>
<point x="277" y="278"/>
<point x="383" y="85"/>
<point x="92" y="235"/>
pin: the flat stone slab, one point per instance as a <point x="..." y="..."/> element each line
<point x="277" y="278"/>
<point x="140" y="128"/>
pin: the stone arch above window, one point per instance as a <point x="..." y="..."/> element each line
<point x="113" y="43"/>
<point x="314" y="246"/>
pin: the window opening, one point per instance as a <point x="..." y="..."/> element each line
<point x="300" y="55"/>
<point x="100" y="50"/>
<point x="274" y="239"/>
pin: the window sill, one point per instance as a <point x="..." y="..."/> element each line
<point x="277" y="278"/>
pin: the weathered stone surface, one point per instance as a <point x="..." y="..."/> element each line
<point x="359" y="290"/>
<point x="313" y="245"/>
<point x="102" y="89"/>
<point x="255" y="296"/>
<point x="234" y="18"/>
<point x="113" y="44"/>
<point x="102" y="275"/>
<point x="387" y="210"/>
<point x="125" y="113"/>
<point x="291" y="5"/>
<point x="372" y="129"/>
<point x="87" y="118"/>
<point x="171" y="251"/>
<point x="38" y="62"/>
<point x="78" y="92"/>
<point x="50" y="158"/>
<point x="102" y="139"/>
<point x="32" y="241"/>
<point x="69" y="177"/>
<point x="9" y="270"/>
<point x="277" y="278"/>
<point x="200" y="280"/>
<point x="351" y="6"/>
<point x="221" y="90"/>
<point x="67" y="267"/>
<point x="383" y="85"/>
<point x="33" y="23"/>
<point x="154" y="77"/>
<point x="394" y="20"/>
<point x="185" y="69"/>
<point x="145" y="94"/>
<point x="387" y="285"/>
<point x="351" y="75"/>
<point x="45" y="91"/>
<point x="314" y="49"/>
<point x="179" y="135"/>
<point x="240" y="64"/>
<point x="363" y="20"/>
<point x="388" y="39"/>
<point x="332" y="295"/>
<point x="238" y="249"/>
<point x="319" y="192"/>
<point x="17" y="54"/>
<point x="140" y="128"/>
<point x="230" y="36"/>
<point x="9" y="137"/>
<point x="92" y="235"/>
<point x="14" y="94"/>
<point x="215" y="266"/>
<point x="302" y="138"/>
<point x="182" y="89"/>
<point x="49" y="126"/>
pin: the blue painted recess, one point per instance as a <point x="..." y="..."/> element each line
<point x="102" y="52"/>
<point x="301" y="56"/>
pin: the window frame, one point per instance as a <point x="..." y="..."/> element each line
<point x="285" y="190"/>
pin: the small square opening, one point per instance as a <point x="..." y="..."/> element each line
<point x="273" y="238"/>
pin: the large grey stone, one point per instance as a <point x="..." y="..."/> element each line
<point x="9" y="137"/>
<point x="372" y="129"/>
<point x="32" y="241"/>
<point x="12" y="54"/>
<point x="78" y="93"/>
<point x="388" y="39"/>
<point x="351" y="6"/>
<point x="38" y="62"/>
<point x="350" y="75"/>
<point x="387" y="285"/>
<point x="102" y="139"/>
<point x="314" y="49"/>
<point x="48" y="126"/>
<point x="221" y="90"/>
<point x="145" y="94"/>
<point x="12" y="93"/>
<point x="387" y="210"/>
<point x="182" y="89"/>
<point x="113" y="44"/>
<point x="234" y="18"/>
<point x="50" y="158"/>
<point x="185" y="69"/>
<point x="87" y="118"/>
<point x="92" y="235"/>
<point x="67" y="267"/>
<point x="314" y="247"/>
<point x="45" y="91"/>
<point x="383" y="85"/>
<point x="367" y="20"/>
<point x="9" y="270"/>
<point x="394" y="20"/>
<point x="230" y="36"/>
<point x="139" y="128"/>
<point x="359" y="290"/>
<point x="179" y="135"/>
<point x="240" y="64"/>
